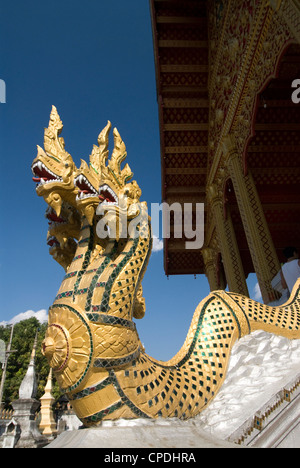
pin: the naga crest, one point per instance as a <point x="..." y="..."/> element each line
<point x="104" y="188"/>
<point x="88" y="177"/>
<point x="53" y="168"/>
<point x="100" y="233"/>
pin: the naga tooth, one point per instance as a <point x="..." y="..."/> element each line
<point x="40" y="165"/>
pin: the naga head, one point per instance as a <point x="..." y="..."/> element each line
<point x="105" y="190"/>
<point x="119" y="197"/>
<point x="113" y="250"/>
<point x="88" y="177"/>
<point x="63" y="233"/>
<point x="63" y="255"/>
<point x="53" y="168"/>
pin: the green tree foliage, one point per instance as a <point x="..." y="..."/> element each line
<point x="22" y="342"/>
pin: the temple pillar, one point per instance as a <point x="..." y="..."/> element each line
<point x="259" y="239"/>
<point x="228" y="245"/>
<point x="210" y="258"/>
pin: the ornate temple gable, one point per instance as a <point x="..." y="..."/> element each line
<point x="213" y="60"/>
<point x="216" y="11"/>
<point x="290" y="12"/>
<point x="273" y="155"/>
<point x="230" y="52"/>
<point x="270" y="121"/>
<point x="265" y="64"/>
<point x="248" y="62"/>
<point x="273" y="159"/>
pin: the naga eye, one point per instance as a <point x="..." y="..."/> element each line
<point x="66" y="165"/>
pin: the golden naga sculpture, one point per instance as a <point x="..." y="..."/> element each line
<point x="92" y="343"/>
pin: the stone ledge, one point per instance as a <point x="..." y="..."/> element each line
<point x="162" y="433"/>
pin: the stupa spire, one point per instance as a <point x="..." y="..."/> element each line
<point x="28" y="387"/>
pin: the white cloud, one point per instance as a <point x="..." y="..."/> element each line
<point x="40" y="315"/>
<point x="158" y="244"/>
<point x="257" y="293"/>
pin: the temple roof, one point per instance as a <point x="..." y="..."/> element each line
<point x="181" y="55"/>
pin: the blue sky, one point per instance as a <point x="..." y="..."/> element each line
<point x="94" y="61"/>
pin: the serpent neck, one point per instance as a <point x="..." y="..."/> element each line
<point x="101" y="284"/>
<point x="75" y="286"/>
